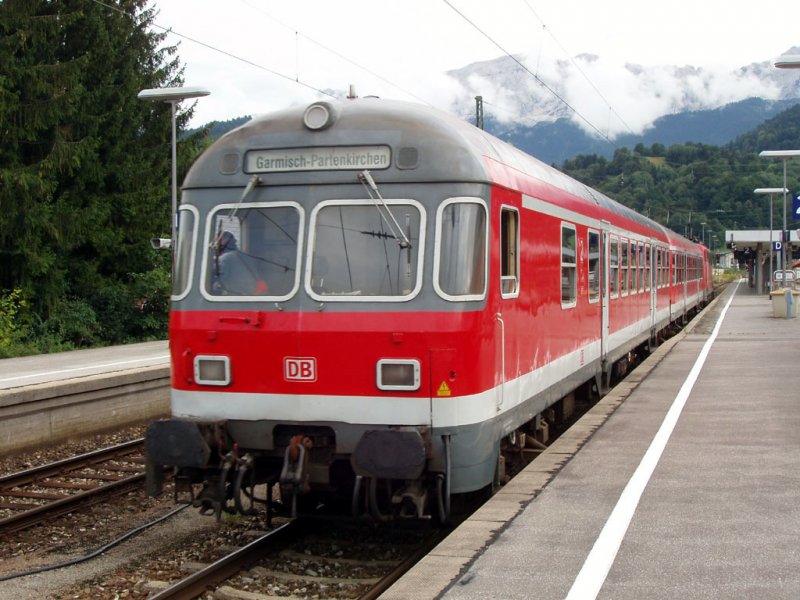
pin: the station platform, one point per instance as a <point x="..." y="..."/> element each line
<point x="682" y="482"/>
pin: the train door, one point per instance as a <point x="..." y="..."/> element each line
<point x="604" y="295"/>
<point x="651" y="277"/>
<point x="684" y="286"/>
<point x="509" y="291"/>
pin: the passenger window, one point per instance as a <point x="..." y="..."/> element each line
<point x="460" y="269"/>
<point x="509" y="252"/>
<point x="569" y="267"/>
<point x="594" y="266"/>
<point x="614" y="267"/>
<point x="641" y="267"/>
<point x="624" y="266"/>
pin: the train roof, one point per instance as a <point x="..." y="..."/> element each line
<point x="460" y="151"/>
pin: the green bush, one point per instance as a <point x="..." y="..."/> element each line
<point x="12" y="305"/>
<point x="72" y="324"/>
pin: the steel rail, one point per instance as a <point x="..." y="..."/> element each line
<point x="390" y="578"/>
<point x="62" y="468"/>
<point x="227" y="566"/>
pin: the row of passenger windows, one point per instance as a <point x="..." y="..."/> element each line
<point x="630" y="266"/>
<point x="356" y="251"/>
<point x="359" y="250"/>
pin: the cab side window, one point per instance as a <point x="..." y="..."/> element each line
<point x="509" y="252"/>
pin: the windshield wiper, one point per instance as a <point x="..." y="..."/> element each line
<point x="251" y="185"/>
<point x="397" y="232"/>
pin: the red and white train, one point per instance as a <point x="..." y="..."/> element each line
<point x="370" y="296"/>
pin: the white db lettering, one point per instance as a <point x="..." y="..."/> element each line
<point x="300" y="369"/>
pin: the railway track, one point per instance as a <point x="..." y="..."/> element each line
<point x="34" y="495"/>
<point x="297" y="554"/>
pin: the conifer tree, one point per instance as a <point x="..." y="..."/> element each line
<point x="84" y="164"/>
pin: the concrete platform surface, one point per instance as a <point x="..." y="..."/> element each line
<point x="690" y="488"/>
<point x="59" y="366"/>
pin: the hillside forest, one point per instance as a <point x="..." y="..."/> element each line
<point x="85" y="175"/>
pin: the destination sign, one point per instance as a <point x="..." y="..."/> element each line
<point x="326" y="158"/>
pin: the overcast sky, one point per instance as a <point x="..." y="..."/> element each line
<point x="256" y="56"/>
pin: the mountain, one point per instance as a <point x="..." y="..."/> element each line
<point x="563" y="139"/>
<point x="555" y="111"/>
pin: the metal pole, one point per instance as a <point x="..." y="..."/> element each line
<point x="771" y="246"/>
<point x="174" y="216"/>
<point x="783" y="242"/>
<point x="479" y="111"/>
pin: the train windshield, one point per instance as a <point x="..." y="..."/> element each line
<point x="356" y="254"/>
<point x="253" y="251"/>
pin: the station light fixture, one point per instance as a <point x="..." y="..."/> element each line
<point x="173" y="96"/>
<point x="788" y="61"/>
<point x="784" y="155"/>
<point x="771" y="192"/>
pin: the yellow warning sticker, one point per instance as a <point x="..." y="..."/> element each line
<point x="443" y="390"/>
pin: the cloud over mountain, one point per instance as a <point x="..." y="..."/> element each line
<point x="608" y="99"/>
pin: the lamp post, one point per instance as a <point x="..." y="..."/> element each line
<point x="770" y="191"/>
<point x="786" y="61"/>
<point x="703" y="232"/>
<point x="173" y="96"/>
<point x="785" y="155"/>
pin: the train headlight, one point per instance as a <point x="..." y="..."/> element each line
<point x="319" y="115"/>
<point x="398" y="374"/>
<point x="212" y="370"/>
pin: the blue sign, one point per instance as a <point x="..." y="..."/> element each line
<point x="796" y="206"/>
<point x="777" y="246"/>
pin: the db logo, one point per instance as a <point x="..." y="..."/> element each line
<point x="299" y="369"/>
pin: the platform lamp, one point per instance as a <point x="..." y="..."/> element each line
<point x="785" y="61"/>
<point x="785" y="155"/>
<point x="770" y="191"/>
<point x="173" y="96"/>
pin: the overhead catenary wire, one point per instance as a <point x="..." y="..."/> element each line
<point x="577" y="66"/>
<point x="246" y="61"/>
<point x="296" y="79"/>
<point x="532" y="74"/>
<point x="299" y="34"/>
